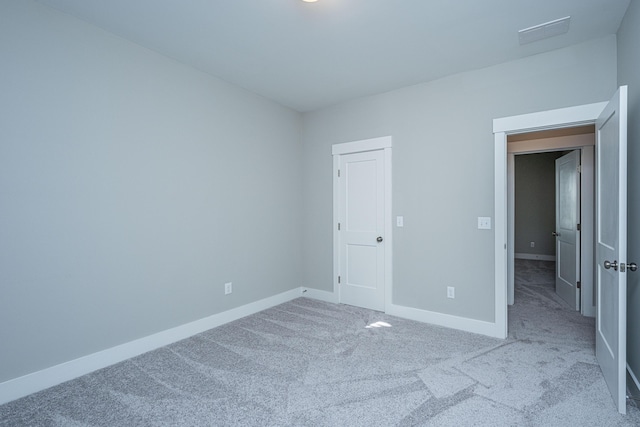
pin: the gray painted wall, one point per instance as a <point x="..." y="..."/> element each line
<point x="535" y="203"/>
<point x="131" y="189"/>
<point x="443" y="173"/>
<point x="629" y="74"/>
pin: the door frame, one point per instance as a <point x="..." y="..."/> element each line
<point x="544" y="120"/>
<point x="587" y="198"/>
<point x="385" y="144"/>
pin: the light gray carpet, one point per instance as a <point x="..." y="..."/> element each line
<point x="311" y="363"/>
<point x="535" y="272"/>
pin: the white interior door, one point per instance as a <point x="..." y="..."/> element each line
<point x="362" y="226"/>
<point x="611" y="245"/>
<point x="567" y="232"/>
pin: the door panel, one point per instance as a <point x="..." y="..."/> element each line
<point x="568" y="236"/>
<point x="361" y="192"/>
<point x="611" y="245"/>
<point x="359" y="273"/>
<point x="362" y="222"/>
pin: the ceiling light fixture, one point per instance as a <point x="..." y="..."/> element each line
<point x="544" y="31"/>
<point x="309" y="1"/>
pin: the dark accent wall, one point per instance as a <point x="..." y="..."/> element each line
<point x="535" y="203"/>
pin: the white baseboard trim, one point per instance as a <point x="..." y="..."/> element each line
<point x="535" y="256"/>
<point x="49" y="377"/>
<point x="320" y="295"/>
<point x="633" y="376"/>
<point x="446" y="320"/>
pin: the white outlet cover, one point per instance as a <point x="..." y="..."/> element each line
<point x="400" y="221"/>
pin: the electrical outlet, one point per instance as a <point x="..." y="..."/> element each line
<point x="484" y="223"/>
<point x="228" y="288"/>
<point x="451" y="292"/>
<point x="533" y="244"/>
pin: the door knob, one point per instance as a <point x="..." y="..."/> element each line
<point x="632" y="266"/>
<point x="555" y="234"/>
<point x="379" y="239"/>
<point x="608" y="265"/>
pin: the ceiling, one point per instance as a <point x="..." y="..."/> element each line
<point x="311" y="55"/>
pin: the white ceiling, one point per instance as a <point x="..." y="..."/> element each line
<point x="310" y="55"/>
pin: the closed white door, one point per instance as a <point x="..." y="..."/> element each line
<point x="611" y="245"/>
<point x="361" y="230"/>
<point x="567" y="232"/>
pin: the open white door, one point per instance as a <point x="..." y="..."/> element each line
<point x="567" y="229"/>
<point x="362" y="229"/>
<point x="611" y="245"/>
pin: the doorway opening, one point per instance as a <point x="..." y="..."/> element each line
<point x="540" y="247"/>
<point x="514" y="125"/>
<point x="535" y="219"/>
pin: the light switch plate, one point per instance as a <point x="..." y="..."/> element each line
<point x="484" y="223"/>
<point x="400" y="221"/>
<point x="451" y="292"/>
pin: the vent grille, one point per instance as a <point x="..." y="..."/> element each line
<point x="544" y="31"/>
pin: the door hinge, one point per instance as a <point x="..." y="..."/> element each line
<point x="338" y="226"/>
<point x="579" y="285"/>
<point x="578" y="227"/>
<point x="338" y="173"/>
<point x="338" y="279"/>
<point x="579" y="168"/>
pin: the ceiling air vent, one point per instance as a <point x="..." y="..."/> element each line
<point x="544" y="31"/>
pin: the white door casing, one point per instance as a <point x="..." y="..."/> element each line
<point x="566" y="230"/>
<point x="552" y="119"/>
<point x="587" y="231"/>
<point x="362" y="217"/>
<point x="611" y="245"/>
